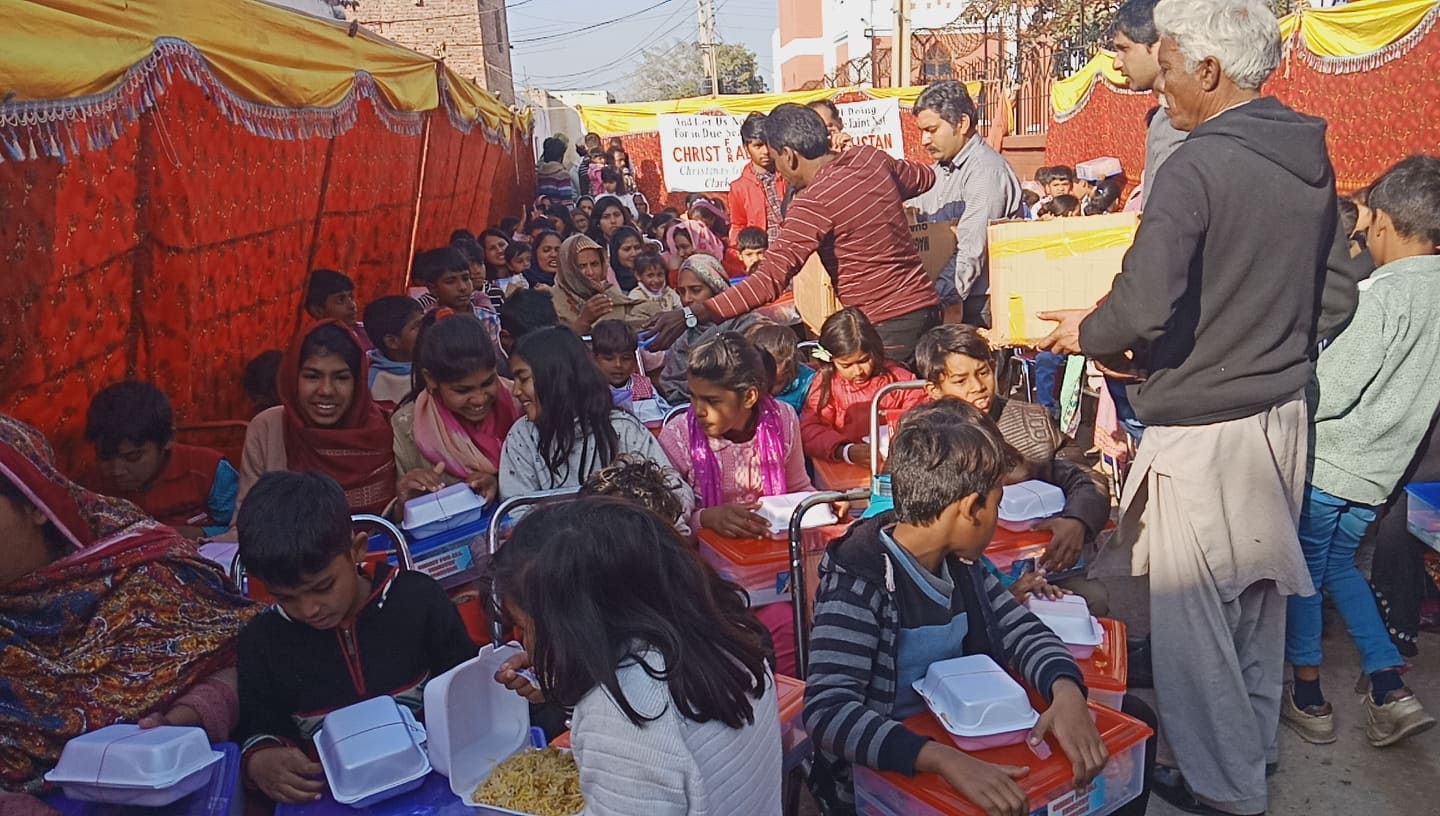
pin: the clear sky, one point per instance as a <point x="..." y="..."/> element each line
<point x="606" y="58"/>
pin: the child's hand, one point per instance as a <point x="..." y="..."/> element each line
<point x="1067" y="539"/>
<point x="1034" y="583"/>
<point x="735" y="521"/>
<point x="420" y="481"/>
<point x="485" y="485"/>
<point x="859" y="454"/>
<point x="179" y="715"/>
<point x="1069" y="718"/>
<point x="992" y="787"/>
<point x="286" y="775"/>
<point x="509" y="675"/>
<point x="190" y="532"/>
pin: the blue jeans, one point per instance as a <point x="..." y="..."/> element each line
<point x="1124" y="411"/>
<point x="1330" y="532"/>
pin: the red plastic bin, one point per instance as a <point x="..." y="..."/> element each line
<point x="761" y="566"/>
<point x="1107" y="672"/>
<point x="794" y="741"/>
<point x="1047" y="785"/>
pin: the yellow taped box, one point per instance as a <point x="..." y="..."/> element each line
<point x="1037" y="266"/>
<point x="815" y="298"/>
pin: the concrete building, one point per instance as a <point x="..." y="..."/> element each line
<point x="817" y="37"/>
<point x="472" y="36"/>
<point x="556" y="114"/>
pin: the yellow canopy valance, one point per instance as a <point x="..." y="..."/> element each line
<point x="1355" y="37"/>
<point x="71" y="49"/>
<point x="639" y="117"/>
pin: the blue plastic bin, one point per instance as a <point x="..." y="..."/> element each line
<point x="433" y="798"/>
<point x="224" y="796"/>
<point x="1422" y="518"/>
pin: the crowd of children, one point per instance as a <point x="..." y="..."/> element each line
<point x="520" y="368"/>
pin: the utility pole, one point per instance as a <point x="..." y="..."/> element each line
<point x="706" y="9"/>
<point x="900" y="44"/>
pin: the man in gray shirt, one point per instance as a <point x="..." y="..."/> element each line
<point x="1137" y="46"/>
<point x="974" y="185"/>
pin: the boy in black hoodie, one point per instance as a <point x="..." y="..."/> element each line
<point x="905" y="589"/>
<point x="337" y="635"/>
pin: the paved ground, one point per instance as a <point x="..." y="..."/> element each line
<point x="1349" y="777"/>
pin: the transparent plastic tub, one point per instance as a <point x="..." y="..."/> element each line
<point x="124" y="764"/>
<point x="978" y="703"/>
<point x="372" y="751"/>
<point x="1422" y="518"/>
<point x="794" y="741"/>
<point x="1107" y="671"/>
<point x="1047" y="785"/>
<point x="761" y="566"/>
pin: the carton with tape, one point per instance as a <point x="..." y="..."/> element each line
<point x="1037" y="266"/>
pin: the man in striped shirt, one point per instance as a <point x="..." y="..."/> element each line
<point x="849" y="209"/>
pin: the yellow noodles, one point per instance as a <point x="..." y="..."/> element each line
<point x="543" y="783"/>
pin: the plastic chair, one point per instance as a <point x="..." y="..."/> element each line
<point x="492" y="541"/>
<point x="255" y="590"/>
<point x="799" y="589"/>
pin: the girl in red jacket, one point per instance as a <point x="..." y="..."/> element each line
<point x="836" y="420"/>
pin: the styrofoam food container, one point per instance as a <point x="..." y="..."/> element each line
<point x="884" y="442"/>
<point x="1070" y="619"/>
<point x="442" y="511"/>
<point x="371" y="751"/>
<point x="475" y="723"/>
<point x="977" y="702"/>
<point x="1025" y="503"/>
<point x="776" y="510"/>
<point x="126" y="765"/>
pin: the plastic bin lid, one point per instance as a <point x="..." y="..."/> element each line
<point x="1108" y="668"/>
<point x="765" y="552"/>
<point x="776" y="510"/>
<point x="474" y="722"/>
<point x="1029" y="500"/>
<point x="370" y="747"/>
<point x="1069" y="618"/>
<point x="973" y="697"/>
<point x="444" y="505"/>
<point x="127" y="756"/>
<point x="790" y="694"/>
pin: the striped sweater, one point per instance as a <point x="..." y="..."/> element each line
<point x="850" y="686"/>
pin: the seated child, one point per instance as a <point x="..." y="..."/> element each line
<point x="392" y="324"/>
<point x="451" y="427"/>
<point x="1061" y="181"/>
<point x="187" y="487"/>
<point x="674" y="707"/>
<point x="445" y="272"/>
<point x="614" y="344"/>
<point x="260" y="374"/>
<point x="836" y="418"/>
<point x="1061" y="206"/>
<point x="954" y="361"/>
<point x="1375" y="395"/>
<point x="570" y="426"/>
<point x="904" y="590"/>
<point x="654" y="281"/>
<point x="525" y="312"/>
<point x="735" y="445"/>
<point x="330" y="295"/>
<point x="751" y="244"/>
<point x="338" y="634"/>
<point x="792" y="377"/>
<point x="641" y="482"/>
<point x="518" y="258"/>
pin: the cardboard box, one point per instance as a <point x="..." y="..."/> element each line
<point x="814" y="289"/>
<point x="1036" y="266"/>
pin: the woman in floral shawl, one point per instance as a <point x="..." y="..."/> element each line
<point x="105" y="616"/>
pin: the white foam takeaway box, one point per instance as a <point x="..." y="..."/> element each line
<point x="1098" y="169"/>
<point x="475" y="723"/>
<point x="372" y="751"/>
<point x="442" y="511"/>
<point x="124" y="764"/>
<point x="1070" y="619"/>
<point x="1024" y="504"/>
<point x="777" y="510"/>
<point x="978" y="702"/>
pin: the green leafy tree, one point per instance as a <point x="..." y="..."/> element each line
<point x="678" y="70"/>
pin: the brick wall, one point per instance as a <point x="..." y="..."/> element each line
<point x="471" y="36"/>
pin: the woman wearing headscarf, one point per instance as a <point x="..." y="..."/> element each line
<point x="106" y="616"/>
<point x="326" y="421"/>
<point x="699" y="278"/>
<point x="584" y="294"/>
<point x="625" y="245"/>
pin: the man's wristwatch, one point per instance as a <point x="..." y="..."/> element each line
<point x="691" y="321"/>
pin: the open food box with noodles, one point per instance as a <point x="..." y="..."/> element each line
<point x="479" y="737"/>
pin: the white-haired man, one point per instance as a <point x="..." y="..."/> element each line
<point x="1219" y="294"/>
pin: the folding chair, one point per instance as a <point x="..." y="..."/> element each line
<point x="492" y="541"/>
<point x="674" y="412"/>
<point x="255" y="590"/>
<point x="880" y="484"/>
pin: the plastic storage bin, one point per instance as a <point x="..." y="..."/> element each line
<point x="222" y="796"/>
<point x="1070" y="619"/>
<point x="1047" y="784"/>
<point x="980" y="705"/>
<point x="432" y="798"/>
<point x="442" y="511"/>
<point x="1107" y="671"/>
<point x="1023" y="505"/>
<point x="372" y="751"/>
<point x="761" y="566"/>
<point x="794" y="741"/>
<point x="124" y="764"/>
<point x="1423" y="517"/>
<point x="475" y="724"/>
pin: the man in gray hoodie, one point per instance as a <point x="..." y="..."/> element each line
<point x="1222" y="290"/>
